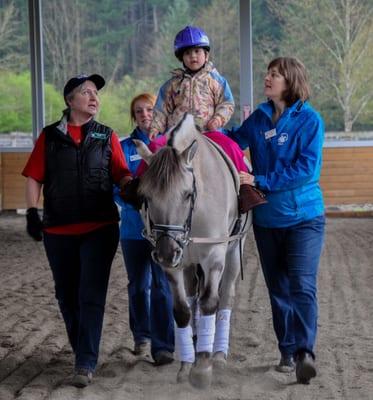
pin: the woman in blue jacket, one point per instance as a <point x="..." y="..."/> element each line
<point x="285" y="137"/>
<point x="149" y="295"/>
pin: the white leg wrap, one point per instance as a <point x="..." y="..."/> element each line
<point x="205" y="333"/>
<point x="221" y="341"/>
<point x="184" y="344"/>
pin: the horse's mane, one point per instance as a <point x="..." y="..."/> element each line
<point x="165" y="172"/>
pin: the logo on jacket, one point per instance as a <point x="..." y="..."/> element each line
<point x="282" y="139"/>
<point x="97" y="135"/>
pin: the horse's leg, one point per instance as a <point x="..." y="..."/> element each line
<point x="201" y="373"/>
<point x="183" y="330"/>
<point x="226" y="300"/>
<point x="191" y="289"/>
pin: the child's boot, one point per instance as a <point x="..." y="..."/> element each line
<point x="249" y="197"/>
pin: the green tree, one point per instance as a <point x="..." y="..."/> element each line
<point x="12" y="40"/>
<point x="160" y="58"/>
<point x="15" y="102"/>
<point x="267" y="33"/>
<point x="220" y="20"/>
<point x="333" y="38"/>
<point x="116" y="99"/>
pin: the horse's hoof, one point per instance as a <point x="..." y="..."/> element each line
<point x="183" y="373"/>
<point x="201" y="373"/>
<point x="219" y="360"/>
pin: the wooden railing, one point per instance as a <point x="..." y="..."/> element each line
<point x="347" y="177"/>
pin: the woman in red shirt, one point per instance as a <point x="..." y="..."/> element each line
<point x="76" y="161"/>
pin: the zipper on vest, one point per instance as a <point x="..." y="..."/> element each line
<point x="79" y="180"/>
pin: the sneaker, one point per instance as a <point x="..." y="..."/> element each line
<point x="163" y="357"/>
<point x="141" y="349"/>
<point x="286" y="364"/>
<point x="82" y="377"/>
<point x="305" y="368"/>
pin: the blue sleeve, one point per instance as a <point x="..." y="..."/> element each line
<point x="163" y="102"/>
<point x="117" y="197"/>
<point x="241" y="135"/>
<point x="305" y="167"/>
<point x="116" y="189"/>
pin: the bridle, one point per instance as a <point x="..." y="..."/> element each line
<point x="178" y="233"/>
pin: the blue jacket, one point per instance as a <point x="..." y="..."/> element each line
<point x="286" y="159"/>
<point x="131" y="223"/>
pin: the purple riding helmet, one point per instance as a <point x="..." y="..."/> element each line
<point x="190" y="36"/>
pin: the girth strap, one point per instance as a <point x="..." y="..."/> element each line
<point x="223" y="239"/>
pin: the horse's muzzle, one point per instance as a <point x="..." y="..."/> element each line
<point x="167" y="253"/>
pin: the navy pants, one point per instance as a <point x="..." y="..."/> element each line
<point x="290" y="259"/>
<point x="149" y="297"/>
<point x="81" y="267"/>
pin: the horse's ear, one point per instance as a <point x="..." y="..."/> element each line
<point x="190" y="152"/>
<point x="143" y="150"/>
<point x="181" y="136"/>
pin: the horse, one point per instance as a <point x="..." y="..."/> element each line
<point x="191" y="217"/>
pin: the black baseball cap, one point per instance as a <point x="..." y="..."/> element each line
<point x="72" y="83"/>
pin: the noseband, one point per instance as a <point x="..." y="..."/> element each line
<point x="178" y="233"/>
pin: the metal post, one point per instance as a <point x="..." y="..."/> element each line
<point x="246" y="60"/>
<point x="37" y="67"/>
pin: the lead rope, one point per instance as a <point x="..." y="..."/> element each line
<point x="241" y="262"/>
<point x="241" y="247"/>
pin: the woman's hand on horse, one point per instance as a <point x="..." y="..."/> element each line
<point x="129" y="193"/>
<point x="246" y="178"/>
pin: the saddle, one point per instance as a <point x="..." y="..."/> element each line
<point x="248" y="196"/>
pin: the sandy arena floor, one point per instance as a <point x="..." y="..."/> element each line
<point x="36" y="361"/>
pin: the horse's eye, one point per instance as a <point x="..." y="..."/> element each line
<point x="187" y="195"/>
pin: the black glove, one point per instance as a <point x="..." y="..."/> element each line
<point x="129" y="193"/>
<point x="34" y="224"/>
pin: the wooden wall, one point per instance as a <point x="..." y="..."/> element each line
<point x="12" y="183"/>
<point x="347" y="177"/>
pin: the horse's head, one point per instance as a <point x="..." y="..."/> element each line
<point x="168" y="187"/>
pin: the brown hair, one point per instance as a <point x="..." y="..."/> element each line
<point x="148" y="97"/>
<point x="296" y="79"/>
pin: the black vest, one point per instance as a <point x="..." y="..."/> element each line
<point x="78" y="184"/>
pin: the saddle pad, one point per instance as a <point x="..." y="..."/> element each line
<point x="228" y="161"/>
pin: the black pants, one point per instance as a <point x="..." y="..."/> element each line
<point x="81" y="268"/>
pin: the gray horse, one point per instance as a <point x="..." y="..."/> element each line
<point x="191" y="217"/>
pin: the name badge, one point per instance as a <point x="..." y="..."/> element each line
<point x="270" y="134"/>
<point x="135" y="157"/>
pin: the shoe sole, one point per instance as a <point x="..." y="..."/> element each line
<point x="284" y="369"/>
<point x="80" y="381"/>
<point x="305" y="372"/>
<point x="163" y="359"/>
